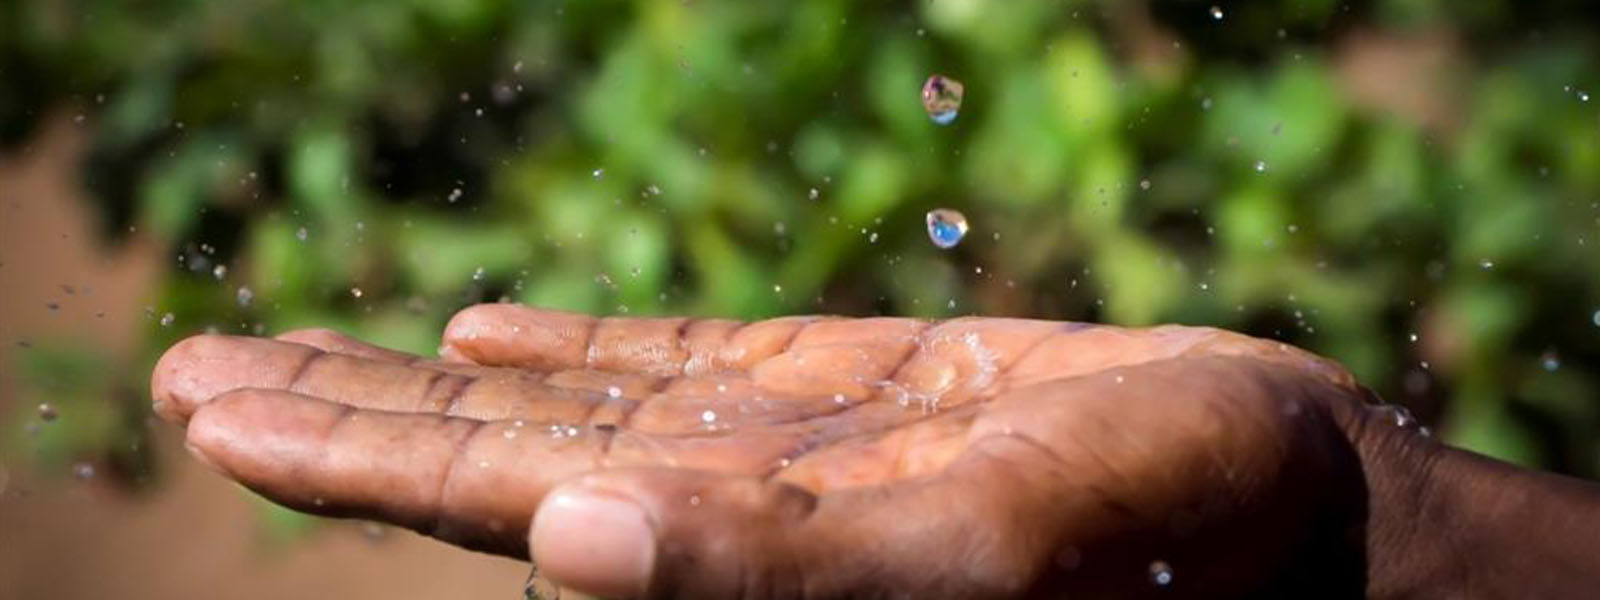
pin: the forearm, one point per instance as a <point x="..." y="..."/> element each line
<point x="1447" y="523"/>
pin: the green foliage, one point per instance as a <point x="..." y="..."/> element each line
<point x="658" y="157"/>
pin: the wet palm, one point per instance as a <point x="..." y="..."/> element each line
<point x="807" y="456"/>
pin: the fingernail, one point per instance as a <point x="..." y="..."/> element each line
<point x="594" y="542"/>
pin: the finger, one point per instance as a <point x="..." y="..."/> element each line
<point x="328" y="340"/>
<point x="468" y="482"/>
<point x="199" y="368"/>
<point x="970" y="532"/>
<point x="521" y="336"/>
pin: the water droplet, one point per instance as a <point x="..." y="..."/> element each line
<point x="598" y="173"/>
<point x="838" y="399"/>
<point x="1583" y="96"/>
<point x="356" y="292"/>
<point x="1144" y="184"/>
<point x="614" y="392"/>
<point x="167" y="319"/>
<point x="219" y="271"/>
<point x="1412" y="336"/>
<point x="1161" y="573"/>
<point x="813" y="193"/>
<point x="694" y="500"/>
<point x="83" y="470"/>
<point x="244" y="296"/>
<point x="47" y="412"/>
<point x="1596" y="318"/>
<point x="941" y="97"/>
<point x="300" y="234"/>
<point x="539" y="588"/>
<point x="946" y="227"/>
<point x="477" y="275"/>
<point x="1261" y="166"/>
<point x="373" y="532"/>
<point x="708" y="417"/>
<point x="455" y="194"/>
<point x="1399" y="414"/>
<point x="1550" y="361"/>
<point x="1216" y="13"/>
<point x="1486" y="264"/>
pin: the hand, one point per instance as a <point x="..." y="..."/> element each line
<point x="811" y="457"/>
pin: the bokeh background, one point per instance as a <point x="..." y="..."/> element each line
<point x="1411" y="187"/>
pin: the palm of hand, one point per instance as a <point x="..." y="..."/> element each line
<point x="798" y="457"/>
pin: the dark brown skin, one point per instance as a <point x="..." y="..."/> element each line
<point x="819" y="457"/>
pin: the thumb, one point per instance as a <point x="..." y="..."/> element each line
<point x="675" y="533"/>
<point x="671" y="533"/>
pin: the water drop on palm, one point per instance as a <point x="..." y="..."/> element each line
<point x="946" y="227"/>
<point x="941" y="97"/>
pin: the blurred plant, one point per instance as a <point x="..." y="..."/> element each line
<point x="374" y="166"/>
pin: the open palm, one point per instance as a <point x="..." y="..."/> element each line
<point x="807" y="457"/>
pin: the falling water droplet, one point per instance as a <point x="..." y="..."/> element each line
<point x="1550" y="361"/>
<point x="1412" y="337"/>
<point x="708" y="417"/>
<point x="1144" y="184"/>
<point x="1596" y="318"/>
<point x="941" y="97"/>
<point x="1161" y="573"/>
<point x="614" y="392"/>
<point x="47" y="412"/>
<point x="219" y="272"/>
<point x="83" y="470"/>
<point x="1486" y="264"/>
<point x="946" y="227"/>
<point x="300" y="234"/>
<point x="477" y="275"/>
<point x="167" y="319"/>
<point x="813" y="193"/>
<point x="356" y="292"/>
<point x="244" y="296"/>
<point x="598" y="173"/>
<point x="1261" y="166"/>
<point x="1216" y="13"/>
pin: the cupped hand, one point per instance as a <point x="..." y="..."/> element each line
<point x="809" y="457"/>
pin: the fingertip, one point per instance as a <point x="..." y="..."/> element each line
<point x="199" y="368"/>
<point x="594" y="541"/>
<point x="173" y="375"/>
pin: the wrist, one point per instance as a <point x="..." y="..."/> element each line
<point x="1444" y="522"/>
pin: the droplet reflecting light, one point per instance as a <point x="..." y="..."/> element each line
<point x="1161" y="573"/>
<point x="946" y="227"/>
<point x="941" y="97"/>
